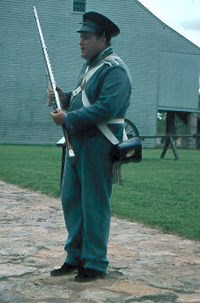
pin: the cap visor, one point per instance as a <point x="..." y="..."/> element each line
<point x="86" y="29"/>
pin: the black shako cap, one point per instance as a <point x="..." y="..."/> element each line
<point x="97" y="23"/>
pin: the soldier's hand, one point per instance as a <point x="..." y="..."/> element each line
<point x="51" y="95"/>
<point x="61" y="94"/>
<point x="58" y="117"/>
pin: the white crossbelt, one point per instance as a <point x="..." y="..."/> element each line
<point x="103" y="127"/>
<point x="87" y="76"/>
<point x="90" y="72"/>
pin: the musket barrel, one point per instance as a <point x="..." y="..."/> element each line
<point x="52" y="79"/>
<point x="49" y="69"/>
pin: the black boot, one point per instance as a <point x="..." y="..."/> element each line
<point x="65" y="269"/>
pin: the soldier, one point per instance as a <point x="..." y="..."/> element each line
<point x="87" y="182"/>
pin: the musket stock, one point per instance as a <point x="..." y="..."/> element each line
<point x="52" y="79"/>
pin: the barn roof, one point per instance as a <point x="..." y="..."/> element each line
<point x="166" y="26"/>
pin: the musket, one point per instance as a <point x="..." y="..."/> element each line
<point x="52" y="79"/>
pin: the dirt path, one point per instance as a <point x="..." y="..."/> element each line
<point x="145" y="265"/>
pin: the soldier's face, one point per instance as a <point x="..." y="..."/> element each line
<point x="91" y="45"/>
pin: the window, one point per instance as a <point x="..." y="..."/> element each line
<point x="79" y="6"/>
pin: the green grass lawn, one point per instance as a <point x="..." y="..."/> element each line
<point x="160" y="193"/>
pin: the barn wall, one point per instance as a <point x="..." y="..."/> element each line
<point x="178" y="91"/>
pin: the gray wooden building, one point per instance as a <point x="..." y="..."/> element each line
<point x="164" y="65"/>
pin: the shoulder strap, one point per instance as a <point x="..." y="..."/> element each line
<point x="88" y="74"/>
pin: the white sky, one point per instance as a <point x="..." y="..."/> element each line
<point x="181" y="15"/>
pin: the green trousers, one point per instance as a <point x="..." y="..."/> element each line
<point x="86" y="192"/>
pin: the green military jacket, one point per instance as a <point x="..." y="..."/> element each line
<point x="108" y="92"/>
